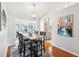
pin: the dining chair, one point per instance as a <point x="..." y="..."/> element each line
<point x="20" y="47"/>
<point x="34" y="46"/>
<point x="43" y="39"/>
<point x="37" y="47"/>
<point x="23" y="46"/>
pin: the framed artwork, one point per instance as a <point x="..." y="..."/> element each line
<point x="65" y="25"/>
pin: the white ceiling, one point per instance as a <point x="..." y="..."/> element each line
<point x="25" y="9"/>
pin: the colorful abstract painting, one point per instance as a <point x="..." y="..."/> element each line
<point x="64" y="25"/>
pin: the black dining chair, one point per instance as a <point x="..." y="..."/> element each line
<point x="37" y="48"/>
<point x="33" y="46"/>
<point x="43" y="39"/>
<point x="40" y="45"/>
<point x="20" y="45"/>
<point x="23" y="46"/>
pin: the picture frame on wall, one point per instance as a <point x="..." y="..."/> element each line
<point x="65" y="25"/>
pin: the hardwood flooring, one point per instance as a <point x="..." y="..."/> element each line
<point x="52" y="50"/>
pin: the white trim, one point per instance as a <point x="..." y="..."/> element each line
<point x="7" y="49"/>
<point x="6" y="52"/>
<point x="66" y="50"/>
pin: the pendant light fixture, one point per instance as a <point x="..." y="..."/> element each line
<point x="34" y="11"/>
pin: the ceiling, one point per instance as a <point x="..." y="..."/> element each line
<point x="24" y="9"/>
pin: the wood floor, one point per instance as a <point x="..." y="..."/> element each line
<point x="9" y="50"/>
<point x="52" y="50"/>
<point x="57" y="52"/>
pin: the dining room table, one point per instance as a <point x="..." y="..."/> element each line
<point x="38" y="40"/>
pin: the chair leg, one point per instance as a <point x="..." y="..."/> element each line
<point x="20" y="51"/>
<point x="36" y="53"/>
<point x="20" y="54"/>
<point x="24" y="51"/>
<point x="43" y="46"/>
<point x="31" y="48"/>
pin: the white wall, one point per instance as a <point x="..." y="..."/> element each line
<point x="42" y="25"/>
<point x="7" y="36"/>
<point x="21" y="21"/>
<point x="11" y="30"/>
<point x="67" y="43"/>
<point x="37" y="26"/>
<point x="3" y="37"/>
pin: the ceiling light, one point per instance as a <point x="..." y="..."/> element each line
<point x="34" y="11"/>
<point x="33" y="15"/>
<point x="66" y="6"/>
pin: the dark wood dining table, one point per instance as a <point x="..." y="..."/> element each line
<point x="36" y="40"/>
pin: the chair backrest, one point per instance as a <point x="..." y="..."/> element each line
<point x="17" y="34"/>
<point x="20" y="37"/>
<point x="42" y="33"/>
<point x="36" y="32"/>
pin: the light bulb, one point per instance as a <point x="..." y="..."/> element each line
<point x="34" y="15"/>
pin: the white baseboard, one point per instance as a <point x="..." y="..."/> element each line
<point x="66" y="50"/>
<point x="6" y="51"/>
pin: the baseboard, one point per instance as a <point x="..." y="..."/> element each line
<point x="54" y="46"/>
<point x="66" y="50"/>
<point x="8" y="50"/>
